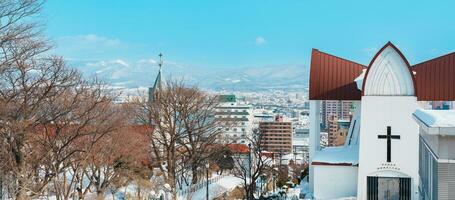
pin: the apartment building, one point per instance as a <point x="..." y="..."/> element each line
<point x="276" y="136"/>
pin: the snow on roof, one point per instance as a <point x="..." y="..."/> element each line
<point x="359" y="80"/>
<point x="436" y="118"/>
<point x="344" y="155"/>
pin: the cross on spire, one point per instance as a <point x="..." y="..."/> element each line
<point x="389" y="138"/>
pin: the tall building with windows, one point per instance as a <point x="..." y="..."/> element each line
<point x="276" y="136"/>
<point x="237" y="119"/>
<point x="300" y="142"/>
<point x="342" y="109"/>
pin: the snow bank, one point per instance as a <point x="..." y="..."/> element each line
<point x="436" y="118"/>
<point x="216" y="189"/>
<point x="338" y="155"/>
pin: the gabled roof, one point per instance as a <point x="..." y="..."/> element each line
<point x="388" y="74"/>
<point x="332" y="78"/>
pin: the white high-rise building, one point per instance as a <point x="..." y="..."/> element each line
<point x="238" y="119"/>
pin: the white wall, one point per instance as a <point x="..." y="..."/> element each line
<point x="378" y="112"/>
<point x="315" y="135"/>
<point x="334" y="181"/>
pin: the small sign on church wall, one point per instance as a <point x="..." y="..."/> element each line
<point x="388" y="166"/>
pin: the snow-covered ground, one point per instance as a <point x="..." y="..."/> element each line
<point x="216" y="189"/>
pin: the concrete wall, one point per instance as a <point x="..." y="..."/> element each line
<point x="333" y="182"/>
<point x="442" y="146"/>
<point x="315" y="135"/>
<point x="378" y="112"/>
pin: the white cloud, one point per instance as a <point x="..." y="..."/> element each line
<point x="121" y="62"/>
<point x="147" y="62"/>
<point x="260" y="40"/>
<point x="118" y="62"/>
<point x="91" y="39"/>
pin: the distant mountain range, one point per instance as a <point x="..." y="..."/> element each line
<point x="142" y="74"/>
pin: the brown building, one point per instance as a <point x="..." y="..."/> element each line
<point x="276" y="136"/>
<point x="342" y="109"/>
<point x="332" y="129"/>
<point x="337" y="131"/>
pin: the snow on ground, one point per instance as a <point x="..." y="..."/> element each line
<point x="337" y="155"/>
<point x="216" y="189"/>
<point x="436" y="118"/>
<point x="293" y="193"/>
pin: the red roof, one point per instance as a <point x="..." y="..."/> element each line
<point x="238" y="148"/>
<point x="332" y="78"/>
<point x="435" y="79"/>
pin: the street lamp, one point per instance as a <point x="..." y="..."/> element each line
<point x="274" y="177"/>
<point x="207" y="166"/>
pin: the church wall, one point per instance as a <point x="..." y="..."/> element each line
<point x="335" y="181"/>
<point x="377" y="113"/>
<point x="315" y="135"/>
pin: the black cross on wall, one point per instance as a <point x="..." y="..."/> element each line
<point x="389" y="138"/>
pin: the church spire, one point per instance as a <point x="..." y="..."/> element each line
<point x="158" y="81"/>
<point x="161" y="61"/>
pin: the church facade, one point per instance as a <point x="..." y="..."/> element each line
<point x="380" y="158"/>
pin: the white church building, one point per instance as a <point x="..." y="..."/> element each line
<point x="381" y="155"/>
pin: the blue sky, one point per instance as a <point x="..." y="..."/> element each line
<point x="214" y="34"/>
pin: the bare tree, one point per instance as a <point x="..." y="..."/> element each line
<point x="48" y="113"/>
<point x="114" y="160"/>
<point x="168" y="128"/>
<point x="201" y="128"/>
<point x="185" y="129"/>
<point x="250" y="165"/>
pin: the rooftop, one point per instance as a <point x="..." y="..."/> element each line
<point x="344" y="156"/>
<point x="227" y="98"/>
<point x="436" y="122"/>
<point x="335" y="78"/>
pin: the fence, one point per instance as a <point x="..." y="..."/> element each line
<point x="198" y="186"/>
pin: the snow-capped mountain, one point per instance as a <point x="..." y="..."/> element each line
<point x="119" y="73"/>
